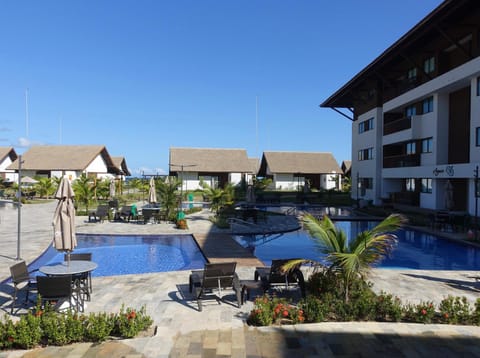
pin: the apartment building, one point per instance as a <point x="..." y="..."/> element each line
<point x="415" y="113"/>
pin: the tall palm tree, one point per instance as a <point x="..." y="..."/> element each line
<point x="218" y="197"/>
<point x="84" y="189"/>
<point x="167" y="191"/>
<point x="45" y="187"/>
<point x="356" y="256"/>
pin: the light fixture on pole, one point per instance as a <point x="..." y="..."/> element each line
<point x="19" y="206"/>
<point x="182" y="166"/>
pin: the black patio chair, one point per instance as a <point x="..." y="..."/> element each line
<point x="100" y="214"/>
<point x="274" y="276"/>
<point x="215" y="277"/>
<point x="22" y="281"/>
<point x="85" y="278"/>
<point x="57" y="290"/>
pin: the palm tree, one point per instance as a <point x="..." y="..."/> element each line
<point x="167" y="191"/>
<point x="218" y="197"/>
<point x="84" y="189"/>
<point x="45" y="187"/>
<point x="351" y="257"/>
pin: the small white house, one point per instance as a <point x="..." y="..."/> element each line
<point x="215" y="167"/>
<point x="67" y="160"/>
<point x="295" y="170"/>
<point x="7" y="156"/>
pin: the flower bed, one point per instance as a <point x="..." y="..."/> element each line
<point x="47" y="327"/>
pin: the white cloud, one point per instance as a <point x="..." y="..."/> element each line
<point x="25" y="142"/>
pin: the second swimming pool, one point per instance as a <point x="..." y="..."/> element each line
<point x="415" y="249"/>
<point x="129" y="254"/>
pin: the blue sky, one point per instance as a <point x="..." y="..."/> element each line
<point x="142" y="76"/>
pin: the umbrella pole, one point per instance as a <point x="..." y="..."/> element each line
<point x="68" y="258"/>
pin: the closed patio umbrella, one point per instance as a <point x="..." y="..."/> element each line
<point x="64" y="219"/>
<point x="152" y="193"/>
<point x="112" y="188"/>
<point x="250" y="194"/>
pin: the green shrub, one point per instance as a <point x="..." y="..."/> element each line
<point x="274" y="310"/>
<point x="98" y="326"/>
<point x="475" y="319"/>
<point x="7" y="333"/>
<point x="388" y="308"/>
<point x="129" y="322"/>
<point x="423" y="312"/>
<point x="314" y="309"/>
<point x="455" y="310"/>
<point x="74" y="324"/>
<point x="27" y="332"/>
<point x="54" y="328"/>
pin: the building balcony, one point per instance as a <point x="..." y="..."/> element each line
<point x="406" y="198"/>
<point x="397" y="125"/>
<point x="399" y="161"/>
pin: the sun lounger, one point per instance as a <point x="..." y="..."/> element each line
<point x="273" y="275"/>
<point x="215" y="277"/>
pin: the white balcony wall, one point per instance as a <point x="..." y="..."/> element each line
<point x="474" y="121"/>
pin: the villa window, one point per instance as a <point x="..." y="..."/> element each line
<point x="426" y="185"/>
<point x="412" y="74"/>
<point x="477" y="139"/>
<point x="411" y="148"/>
<point x="365" y="125"/>
<point x="365" y="154"/>
<point x="410" y="110"/>
<point x="410" y="184"/>
<point x="429" y="65"/>
<point x="478" y="86"/>
<point x="427" y="105"/>
<point x="427" y="145"/>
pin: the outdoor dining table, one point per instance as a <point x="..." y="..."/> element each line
<point x="73" y="268"/>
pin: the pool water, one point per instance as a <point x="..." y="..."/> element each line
<point x="131" y="254"/>
<point x="415" y="250"/>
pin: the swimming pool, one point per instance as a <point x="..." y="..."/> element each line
<point x="131" y="254"/>
<point x="415" y="250"/>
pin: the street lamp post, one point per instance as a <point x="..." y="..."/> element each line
<point x="182" y="166"/>
<point x="19" y="206"/>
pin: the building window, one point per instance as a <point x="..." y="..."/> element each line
<point x="365" y="183"/>
<point x="477" y="139"/>
<point x="427" y="105"/>
<point x="365" y="125"/>
<point x="365" y="154"/>
<point x="410" y="184"/>
<point x="427" y="145"/>
<point x="410" y="110"/>
<point x="426" y="185"/>
<point x="411" y="148"/>
<point x="412" y="74"/>
<point x="478" y="86"/>
<point x="429" y="65"/>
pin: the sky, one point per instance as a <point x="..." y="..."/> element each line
<point x="142" y="76"/>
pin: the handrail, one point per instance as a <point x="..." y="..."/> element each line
<point x="291" y="211"/>
<point x="241" y="222"/>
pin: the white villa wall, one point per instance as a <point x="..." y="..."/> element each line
<point x="8" y="175"/>
<point x="235" y="178"/>
<point x="287" y="182"/>
<point x="98" y="166"/>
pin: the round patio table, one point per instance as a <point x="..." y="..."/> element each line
<point x="68" y="268"/>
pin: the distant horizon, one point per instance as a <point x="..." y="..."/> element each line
<point x="142" y="78"/>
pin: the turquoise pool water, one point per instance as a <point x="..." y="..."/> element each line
<point x="131" y="254"/>
<point x="415" y="250"/>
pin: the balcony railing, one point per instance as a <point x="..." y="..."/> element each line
<point x="399" y="161"/>
<point x="397" y="125"/>
<point x="406" y="198"/>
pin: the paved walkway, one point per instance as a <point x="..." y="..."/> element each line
<point x="220" y="329"/>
